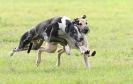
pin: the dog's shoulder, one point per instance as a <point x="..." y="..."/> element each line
<point x="65" y="21"/>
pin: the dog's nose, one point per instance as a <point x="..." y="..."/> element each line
<point x="86" y="30"/>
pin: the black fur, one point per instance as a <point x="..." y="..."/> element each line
<point x="30" y="46"/>
<point x="33" y="39"/>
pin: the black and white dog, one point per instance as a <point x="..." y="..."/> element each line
<point x="50" y="30"/>
<point x="51" y="47"/>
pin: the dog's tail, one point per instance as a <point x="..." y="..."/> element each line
<point x="30" y="46"/>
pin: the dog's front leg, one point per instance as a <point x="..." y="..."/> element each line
<point x="86" y="60"/>
<point x="85" y="53"/>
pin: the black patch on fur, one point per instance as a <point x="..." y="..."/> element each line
<point x="68" y="26"/>
<point x="87" y="52"/>
<point x="30" y="46"/>
<point x="94" y="53"/>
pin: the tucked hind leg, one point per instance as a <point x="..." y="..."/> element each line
<point x="49" y="48"/>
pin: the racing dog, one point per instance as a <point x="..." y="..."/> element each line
<point x="49" y="31"/>
<point x="52" y="46"/>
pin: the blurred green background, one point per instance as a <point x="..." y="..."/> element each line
<point x="111" y="32"/>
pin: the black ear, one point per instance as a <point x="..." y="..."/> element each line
<point x="76" y="20"/>
<point x="84" y="16"/>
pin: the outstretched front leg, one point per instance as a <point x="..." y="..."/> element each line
<point x="86" y="60"/>
<point x="86" y="55"/>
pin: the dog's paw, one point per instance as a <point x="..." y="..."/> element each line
<point x="92" y="53"/>
<point x="87" y="52"/>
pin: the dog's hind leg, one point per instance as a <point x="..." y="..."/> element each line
<point x="60" y="52"/>
<point x="49" y="48"/>
<point x="12" y="52"/>
<point x="29" y="49"/>
<point x="15" y="50"/>
<point x="38" y="59"/>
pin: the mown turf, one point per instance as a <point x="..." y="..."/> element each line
<point x="111" y="35"/>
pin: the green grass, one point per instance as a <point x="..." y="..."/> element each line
<point x="110" y="22"/>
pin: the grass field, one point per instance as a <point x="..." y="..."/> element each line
<point x="111" y="25"/>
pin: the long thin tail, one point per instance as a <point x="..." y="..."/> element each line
<point x="29" y="47"/>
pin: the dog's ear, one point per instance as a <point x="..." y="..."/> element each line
<point x="76" y="20"/>
<point x="84" y="16"/>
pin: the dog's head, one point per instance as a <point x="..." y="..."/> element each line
<point x="82" y="24"/>
<point x="74" y="32"/>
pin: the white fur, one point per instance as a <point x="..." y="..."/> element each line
<point x="62" y="25"/>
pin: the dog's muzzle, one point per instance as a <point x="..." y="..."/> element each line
<point x="86" y="30"/>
